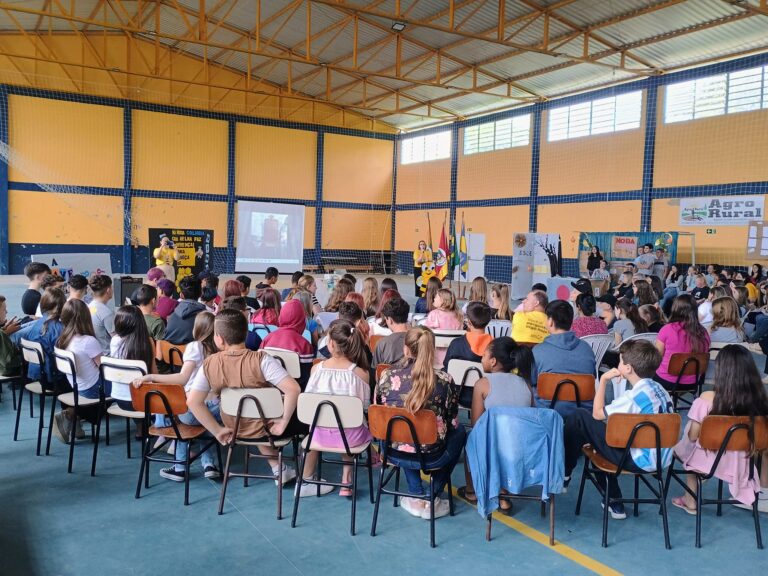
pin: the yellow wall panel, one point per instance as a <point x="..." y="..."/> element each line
<point x="357" y="169"/>
<point x="49" y="218"/>
<point x="726" y="246"/>
<point x="309" y="227"/>
<point x="61" y="142"/>
<point x="411" y="227"/>
<point x="170" y="213"/>
<point x="345" y="229"/>
<point x="424" y="182"/>
<point x="179" y="153"/>
<point x="600" y="163"/>
<point x="717" y="150"/>
<point x="501" y="173"/>
<point x="275" y="162"/>
<point x="570" y="219"/>
<point x="498" y="223"/>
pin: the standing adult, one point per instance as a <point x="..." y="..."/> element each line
<point x="645" y="261"/>
<point x="593" y="261"/>
<point x="420" y="256"/>
<point x="165" y="257"/>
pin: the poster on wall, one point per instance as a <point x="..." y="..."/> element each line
<point x="721" y="210"/>
<point x="757" y="240"/>
<point x="67" y="265"/>
<point x="624" y="247"/>
<point x="180" y="251"/>
<point x="535" y="258"/>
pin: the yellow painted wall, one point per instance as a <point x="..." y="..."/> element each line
<point x="179" y="153"/>
<point x="570" y="219"/>
<point x="59" y="142"/>
<point x="163" y="213"/>
<point x="356" y="229"/>
<point x="498" y="223"/>
<point x="411" y="227"/>
<point x="500" y="173"/>
<point x="50" y="218"/>
<point x="273" y="162"/>
<point x="309" y="227"/>
<point x="600" y="163"/>
<point x="717" y="150"/>
<point x="727" y="246"/>
<point x="424" y="182"/>
<point x="357" y="169"/>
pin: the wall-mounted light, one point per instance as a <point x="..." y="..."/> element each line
<point x="398" y="26"/>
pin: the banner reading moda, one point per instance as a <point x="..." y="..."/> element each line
<point x="721" y="210"/>
<point x="193" y="250"/>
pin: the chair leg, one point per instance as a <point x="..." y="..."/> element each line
<point x="127" y="435"/>
<point x="96" y="443"/>
<point x="144" y="447"/>
<point x="370" y="475"/>
<point x="247" y="463"/>
<point x="606" y="504"/>
<point x="40" y="423"/>
<point x="354" y="493"/>
<point x="664" y="519"/>
<point x="756" y="515"/>
<point x="18" y="416"/>
<point x="225" y="481"/>
<point x="397" y="487"/>
<point x="31" y="406"/>
<point x="377" y="499"/>
<point x="187" y="470"/>
<point x="50" y="425"/>
<point x="637" y="496"/>
<point x="552" y="520"/>
<point x="451" y="509"/>
<point x="13" y="393"/>
<point x="280" y="484"/>
<point x="583" y="480"/>
<point x="297" y="489"/>
<point x="431" y="511"/>
<point x="488" y="528"/>
<point x="719" y="497"/>
<point x="72" y="430"/>
<point x="106" y="428"/>
<point x="146" y="466"/>
<point x="698" y="511"/>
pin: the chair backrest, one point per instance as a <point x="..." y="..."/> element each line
<point x="380" y="369"/>
<point x="620" y="427"/>
<point x="256" y="402"/>
<point x="171" y="354"/>
<point x="325" y="319"/>
<point x="65" y="361"/>
<point x="649" y="336"/>
<point x="688" y="364"/>
<point x="566" y="387"/>
<point x="373" y="341"/>
<point x="465" y="372"/>
<point x="32" y="352"/>
<point x="122" y="371"/>
<point x="152" y="393"/>
<point x="348" y="408"/>
<point x="600" y="344"/>
<point x="443" y="338"/>
<point x="417" y="319"/>
<point x="289" y="360"/>
<point x="424" y="424"/>
<point x="714" y="432"/>
<point x="499" y="328"/>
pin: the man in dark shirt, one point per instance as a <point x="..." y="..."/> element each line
<point x="35" y="271"/>
<point x="270" y="279"/>
<point x="252" y="303"/>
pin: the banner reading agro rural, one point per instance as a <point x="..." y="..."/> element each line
<point x="721" y="210"/>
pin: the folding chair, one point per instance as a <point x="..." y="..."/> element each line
<point x="443" y="338"/>
<point x="325" y="319"/>
<point x="600" y="344"/>
<point x="168" y="400"/>
<point x="576" y="388"/>
<point x="122" y="372"/>
<point x="627" y="431"/>
<point x="32" y="353"/>
<point x="171" y="354"/>
<point x="389" y="424"/>
<point x="722" y="434"/>
<point x="687" y="364"/>
<point x="339" y="412"/>
<point x="499" y="328"/>
<point x="259" y="403"/>
<point x="289" y="360"/>
<point x="465" y="374"/>
<point x="65" y="362"/>
<point x="12" y="381"/>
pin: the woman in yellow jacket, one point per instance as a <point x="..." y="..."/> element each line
<point x="165" y="257"/>
<point x="420" y="256"/>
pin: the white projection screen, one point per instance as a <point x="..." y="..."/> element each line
<point x="269" y="234"/>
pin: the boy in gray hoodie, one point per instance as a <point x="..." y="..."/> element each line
<point x="182" y="321"/>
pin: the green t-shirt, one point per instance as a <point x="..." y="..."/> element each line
<point x="156" y="326"/>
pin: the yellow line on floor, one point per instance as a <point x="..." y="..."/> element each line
<point x="543" y="539"/>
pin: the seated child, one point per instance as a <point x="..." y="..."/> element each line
<point x="102" y="314"/>
<point x="472" y="345"/>
<point x="639" y="360"/>
<point x="253" y="341"/>
<point x="166" y="304"/>
<point x="289" y="336"/>
<point x="445" y="315"/>
<point x="146" y="299"/>
<point x="389" y="350"/>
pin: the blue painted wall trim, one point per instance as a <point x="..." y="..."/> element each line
<point x="533" y="211"/>
<point x="5" y="257"/>
<point x="127" y="185"/>
<point x="320" y="155"/>
<point x="231" y="151"/>
<point x="649" y="152"/>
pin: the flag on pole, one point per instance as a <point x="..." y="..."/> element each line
<point x="453" y="253"/>
<point x="443" y="254"/>
<point x="429" y="234"/>
<point x="463" y="256"/>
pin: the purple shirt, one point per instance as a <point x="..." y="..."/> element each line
<point x="675" y="341"/>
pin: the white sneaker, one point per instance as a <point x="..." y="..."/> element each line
<point x="307" y="490"/>
<point x="413" y="506"/>
<point x="289" y="474"/>
<point x="442" y="508"/>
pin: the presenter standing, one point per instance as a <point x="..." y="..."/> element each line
<point x="420" y="256"/>
<point x="165" y="256"/>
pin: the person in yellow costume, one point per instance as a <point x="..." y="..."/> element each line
<point x="165" y="256"/>
<point x="420" y="256"/>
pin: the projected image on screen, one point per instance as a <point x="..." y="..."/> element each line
<point x="269" y="235"/>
